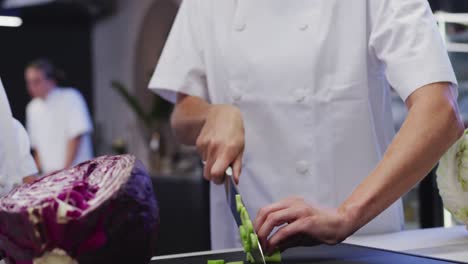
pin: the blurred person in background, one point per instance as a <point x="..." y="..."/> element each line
<point x="16" y="161"/>
<point x="58" y="120"/>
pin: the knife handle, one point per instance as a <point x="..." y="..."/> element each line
<point x="228" y="172"/>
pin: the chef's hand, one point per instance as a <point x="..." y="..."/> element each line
<point x="221" y="142"/>
<point x="29" y="179"/>
<point x="302" y="224"/>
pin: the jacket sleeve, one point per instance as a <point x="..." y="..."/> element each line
<point x="181" y="68"/>
<point x="405" y="38"/>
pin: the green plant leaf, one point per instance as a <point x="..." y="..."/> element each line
<point x="132" y="102"/>
<point x="161" y="109"/>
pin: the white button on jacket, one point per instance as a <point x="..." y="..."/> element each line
<point x="303" y="27"/>
<point x="347" y="57"/>
<point x="241" y="27"/>
<point x="237" y="96"/>
<point x="302" y="167"/>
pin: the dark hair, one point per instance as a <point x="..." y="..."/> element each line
<point x="49" y="69"/>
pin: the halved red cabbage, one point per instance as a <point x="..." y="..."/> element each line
<point x="101" y="211"/>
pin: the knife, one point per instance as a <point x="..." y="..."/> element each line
<point x="231" y="192"/>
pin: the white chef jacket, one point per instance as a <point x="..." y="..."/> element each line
<point x="311" y="79"/>
<point x="16" y="161"/>
<point x="53" y="122"/>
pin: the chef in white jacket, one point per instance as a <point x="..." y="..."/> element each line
<point x="16" y="161"/>
<point x="296" y="95"/>
<point x="57" y="118"/>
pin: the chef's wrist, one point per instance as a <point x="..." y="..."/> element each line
<point x="352" y="216"/>
<point x="213" y="108"/>
<point x="225" y="112"/>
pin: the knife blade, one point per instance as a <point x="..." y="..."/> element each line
<point x="231" y="192"/>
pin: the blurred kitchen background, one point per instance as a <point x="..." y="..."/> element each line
<point x="109" y="48"/>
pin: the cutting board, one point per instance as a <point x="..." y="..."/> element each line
<point x="340" y="254"/>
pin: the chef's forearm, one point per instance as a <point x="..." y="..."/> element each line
<point x="433" y="124"/>
<point x="37" y="160"/>
<point x="72" y="150"/>
<point x="188" y="118"/>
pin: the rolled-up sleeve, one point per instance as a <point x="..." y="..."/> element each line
<point x="405" y="38"/>
<point x="79" y="119"/>
<point x="181" y="66"/>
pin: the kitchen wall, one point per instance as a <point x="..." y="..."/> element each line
<point x="117" y="51"/>
<point x="48" y="31"/>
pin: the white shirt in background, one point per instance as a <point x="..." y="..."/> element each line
<point x="16" y="161"/>
<point x="53" y="122"/>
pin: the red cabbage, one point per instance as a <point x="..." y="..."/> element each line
<point x="101" y="211"/>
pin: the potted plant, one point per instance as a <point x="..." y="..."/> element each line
<point x="154" y="124"/>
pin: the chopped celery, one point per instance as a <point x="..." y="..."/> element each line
<point x="247" y="245"/>
<point x="243" y="232"/>
<point x="249" y="226"/>
<point x="241" y="213"/>
<point x="244" y="235"/>
<point x="244" y="215"/>
<point x="239" y="203"/>
<point x="250" y="258"/>
<point x="254" y="241"/>
<point x="275" y="257"/>
<point x="217" y="261"/>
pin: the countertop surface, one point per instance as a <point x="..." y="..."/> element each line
<point x="444" y="243"/>
<point x="339" y="254"/>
